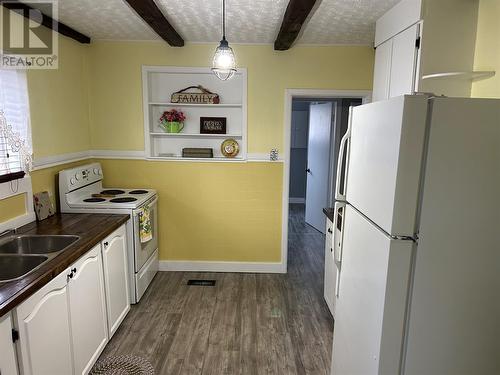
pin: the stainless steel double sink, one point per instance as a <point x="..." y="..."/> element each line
<point x="22" y="254"/>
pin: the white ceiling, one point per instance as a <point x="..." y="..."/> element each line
<point x="248" y="21"/>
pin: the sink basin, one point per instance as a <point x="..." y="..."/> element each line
<point x="15" y="266"/>
<point x="35" y="244"/>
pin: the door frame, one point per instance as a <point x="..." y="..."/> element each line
<point x="290" y="94"/>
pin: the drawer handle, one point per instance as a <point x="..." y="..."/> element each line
<point x="73" y="270"/>
<point x="106" y="243"/>
<point x="329" y="230"/>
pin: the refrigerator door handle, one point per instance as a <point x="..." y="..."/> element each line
<point x="338" y="234"/>
<point x="338" y="195"/>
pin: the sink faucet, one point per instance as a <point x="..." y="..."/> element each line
<point x="8" y="232"/>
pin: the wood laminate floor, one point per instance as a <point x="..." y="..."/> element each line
<point x="246" y="324"/>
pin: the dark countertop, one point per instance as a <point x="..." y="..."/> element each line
<point x="92" y="229"/>
<point x="329" y="212"/>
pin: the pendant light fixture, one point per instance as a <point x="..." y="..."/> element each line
<point x="224" y="62"/>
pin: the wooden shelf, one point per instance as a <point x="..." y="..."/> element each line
<point x="221" y="105"/>
<point x="197" y="135"/>
<point x="473" y="76"/>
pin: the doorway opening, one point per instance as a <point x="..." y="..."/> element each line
<point x="315" y="121"/>
<point x="317" y="124"/>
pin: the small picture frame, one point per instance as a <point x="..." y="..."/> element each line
<point x="212" y="125"/>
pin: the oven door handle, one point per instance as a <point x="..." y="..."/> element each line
<point x="150" y="204"/>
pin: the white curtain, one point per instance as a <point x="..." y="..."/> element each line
<point x="15" y="132"/>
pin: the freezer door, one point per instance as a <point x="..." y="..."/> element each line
<point x="371" y="306"/>
<point x="385" y="158"/>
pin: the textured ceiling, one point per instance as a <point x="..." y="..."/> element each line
<point x="248" y="21"/>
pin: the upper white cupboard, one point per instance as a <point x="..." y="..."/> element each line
<point x="426" y="46"/>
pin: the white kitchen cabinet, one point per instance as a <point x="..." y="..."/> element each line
<point x="87" y="310"/>
<point x="44" y="344"/>
<point x="114" y="253"/>
<point x="404" y="60"/>
<point x="427" y="39"/>
<point x="382" y="73"/>
<point x="330" y="277"/>
<point x="8" y="363"/>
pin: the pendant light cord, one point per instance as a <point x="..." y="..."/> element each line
<point x="223" y="19"/>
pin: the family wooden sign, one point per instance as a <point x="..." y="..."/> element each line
<point x="201" y="96"/>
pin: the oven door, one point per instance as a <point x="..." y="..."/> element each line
<point x="143" y="250"/>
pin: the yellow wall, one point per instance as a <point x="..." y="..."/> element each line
<point x="12" y="207"/>
<point x="487" y="56"/>
<point x="210" y="211"/>
<point x="115" y="77"/>
<point x="59" y="103"/>
<point x="213" y="211"/>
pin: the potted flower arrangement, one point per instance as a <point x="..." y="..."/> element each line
<point x="172" y="121"/>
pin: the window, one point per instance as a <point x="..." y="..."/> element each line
<point x="15" y="132"/>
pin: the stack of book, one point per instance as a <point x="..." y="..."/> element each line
<point x="197" y="153"/>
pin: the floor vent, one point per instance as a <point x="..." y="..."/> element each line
<point x="201" y="282"/>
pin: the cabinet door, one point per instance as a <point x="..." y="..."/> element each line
<point x="88" y="310"/>
<point x="44" y="330"/>
<point x="8" y="365"/>
<point x="404" y="62"/>
<point x="330" y="270"/>
<point x="382" y="71"/>
<point x="114" y="253"/>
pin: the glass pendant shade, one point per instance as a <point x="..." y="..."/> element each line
<point x="224" y="62"/>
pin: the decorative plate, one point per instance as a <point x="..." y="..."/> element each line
<point x="230" y="148"/>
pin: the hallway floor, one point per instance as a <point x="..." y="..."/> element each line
<point x="247" y="324"/>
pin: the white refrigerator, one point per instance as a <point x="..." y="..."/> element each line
<point x="417" y="241"/>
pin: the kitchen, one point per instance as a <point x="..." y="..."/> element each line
<point x="223" y="220"/>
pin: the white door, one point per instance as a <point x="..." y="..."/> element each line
<point x="385" y="155"/>
<point x="318" y="163"/>
<point x="404" y="62"/>
<point x="371" y="304"/>
<point x="44" y="330"/>
<point x="8" y="365"/>
<point x="382" y="71"/>
<point x="88" y="310"/>
<point x="114" y="254"/>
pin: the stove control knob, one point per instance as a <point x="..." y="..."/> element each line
<point x="72" y="181"/>
<point x="77" y="176"/>
<point x="99" y="172"/>
<point x="96" y="171"/>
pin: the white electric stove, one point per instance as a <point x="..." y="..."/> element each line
<point x="81" y="191"/>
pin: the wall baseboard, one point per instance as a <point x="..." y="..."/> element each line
<point x="206" y="266"/>
<point x="296" y="200"/>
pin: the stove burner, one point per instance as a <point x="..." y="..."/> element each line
<point x="92" y="200"/>
<point x="138" y="192"/>
<point x="123" y="200"/>
<point x="112" y="192"/>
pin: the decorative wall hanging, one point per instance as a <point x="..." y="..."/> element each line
<point x="230" y="148"/>
<point x="212" y="125"/>
<point x="204" y="96"/>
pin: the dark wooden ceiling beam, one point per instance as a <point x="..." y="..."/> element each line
<point x="61" y="28"/>
<point x="149" y="12"/>
<point x="295" y="15"/>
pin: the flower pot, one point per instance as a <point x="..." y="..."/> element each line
<point x="172" y="126"/>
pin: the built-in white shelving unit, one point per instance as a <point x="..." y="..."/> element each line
<point x="160" y="82"/>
